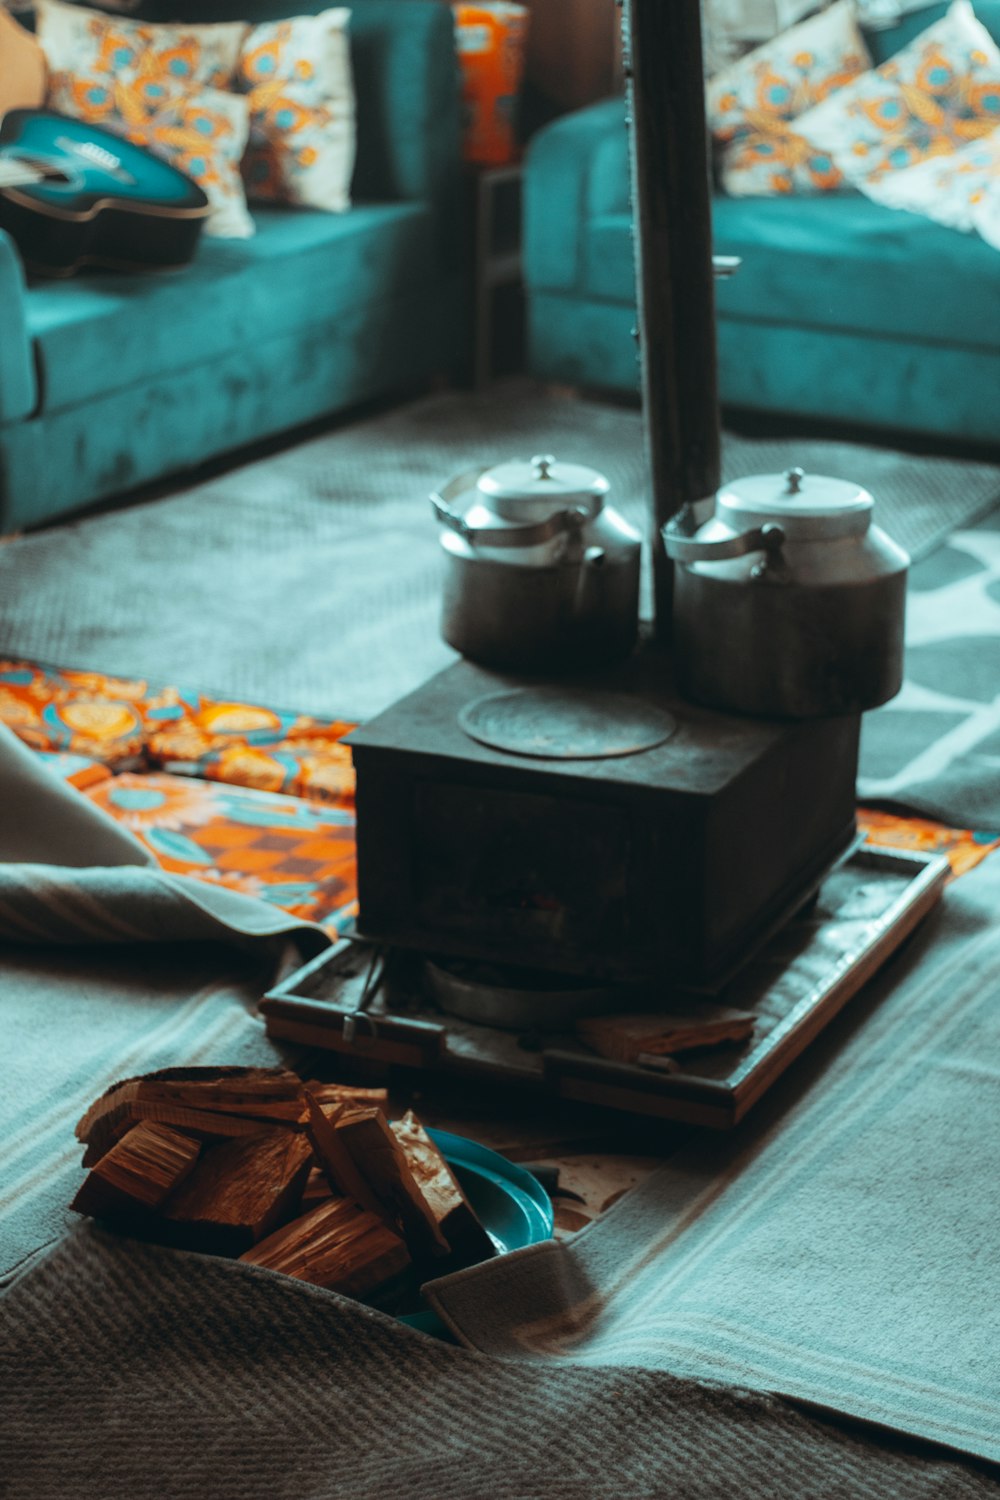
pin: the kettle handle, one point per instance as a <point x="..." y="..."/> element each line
<point x="690" y="549"/>
<point x="537" y="532"/>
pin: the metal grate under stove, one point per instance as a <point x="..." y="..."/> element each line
<point x="357" y="1001"/>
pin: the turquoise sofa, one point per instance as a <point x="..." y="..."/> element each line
<point x="110" y="380"/>
<point x="842" y="309"/>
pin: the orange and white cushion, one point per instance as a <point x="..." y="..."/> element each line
<point x="297" y="77"/>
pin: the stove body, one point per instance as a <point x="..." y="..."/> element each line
<point x="672" y="863"/>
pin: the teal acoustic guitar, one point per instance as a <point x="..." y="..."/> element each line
<point x="73" y="195"/>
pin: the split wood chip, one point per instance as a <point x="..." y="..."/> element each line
<point x="239" y="1191"/>
<point x="138" y="1172"/>
<point x="213" y="1103"/>
<point x="336" y="1245"/>
<point x="381" y="1161"/>
<point x="229" y="1090"/>
<point x="622" y="1038"/>
<point x="207" y="1125"/>
<point x="347" y="1093"/>
<point x="338" y="1163"/>
<point x="452" y="1211"/>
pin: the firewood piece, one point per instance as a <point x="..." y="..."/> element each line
<point x="207" y="1125"/>
<point x="454" y="1214"/>
<point x="261" y="1093"/>
<point x="106" y="1133"/>
<point x="381" y="1160"/>
<point x="622" y="1038"/>
<point x="336" y="1245"/>
<point x="347" y="1093"/>
<point x="338" y="1163"/>
<point x="137" y="1172"/>
<point x="239" y="1191"/>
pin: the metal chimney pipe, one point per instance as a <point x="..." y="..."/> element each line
<point x="672" y="230"/>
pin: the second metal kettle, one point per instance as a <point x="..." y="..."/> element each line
<point x="788" y="602"/>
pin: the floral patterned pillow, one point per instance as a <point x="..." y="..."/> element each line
<point x="161" y="86"/>
<point x="938" y="93"/>
<point x="961" y="190"/>
<point x="298" y="81"/>
<point x="76" y="39"/>
<point x="752" y="103"/>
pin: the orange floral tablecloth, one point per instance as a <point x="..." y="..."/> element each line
<point x="128" y="724"/>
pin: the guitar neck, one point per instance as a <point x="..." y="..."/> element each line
<point x="14" y="173"/>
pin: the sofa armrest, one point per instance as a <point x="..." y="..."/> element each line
<point x="18" y="390"/>
<point x="408" y="100"/>
<point x="576" y="169"/>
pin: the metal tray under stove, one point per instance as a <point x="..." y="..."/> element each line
<point x="795" y="985"/>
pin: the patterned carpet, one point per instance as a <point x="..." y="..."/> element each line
<point x="936" y="747"/>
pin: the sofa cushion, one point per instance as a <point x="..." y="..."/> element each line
<point x="752" y="104"/>
<point x="845" y="263"/>
<point x="839" y="262"/>
<point x="162" y="87"/>
<point x="929" y="99"/>
<point x="962" y="189"/>
<point x="22" y="67"/>
<point x="297" y="75"/>
<point x="103" y="333"/>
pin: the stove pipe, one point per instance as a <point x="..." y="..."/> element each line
<point x="672" y="231"/>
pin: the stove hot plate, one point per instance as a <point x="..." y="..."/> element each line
<point x="566" y="723"/>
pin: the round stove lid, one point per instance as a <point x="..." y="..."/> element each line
<point x="809" y="507"/>
<point x="559" y="723"/>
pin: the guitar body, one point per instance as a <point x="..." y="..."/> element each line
<point x="73" y="195"/>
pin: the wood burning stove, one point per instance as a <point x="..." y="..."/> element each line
<point x="675" y="860"/>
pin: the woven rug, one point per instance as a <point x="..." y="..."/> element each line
<point x="936" y="747"/>
<point x="843" y="1250"/>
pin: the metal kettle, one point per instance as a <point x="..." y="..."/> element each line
<point x="789" y="602"/>
<point x="540" y="572"/>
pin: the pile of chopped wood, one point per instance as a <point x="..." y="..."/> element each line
<point x="311" y="1179"/>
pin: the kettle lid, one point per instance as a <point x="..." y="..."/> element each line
<point x="808" y="507"/>
<point x="541" y="483"/>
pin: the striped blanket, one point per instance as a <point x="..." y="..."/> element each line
<point x="842" y="1249"/>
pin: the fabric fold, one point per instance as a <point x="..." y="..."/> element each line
<point x="70" y="874"/>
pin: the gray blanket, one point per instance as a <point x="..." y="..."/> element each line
<point x="136" y="1373"/>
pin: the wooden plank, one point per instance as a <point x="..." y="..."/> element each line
<point x="331" y="1040"/>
